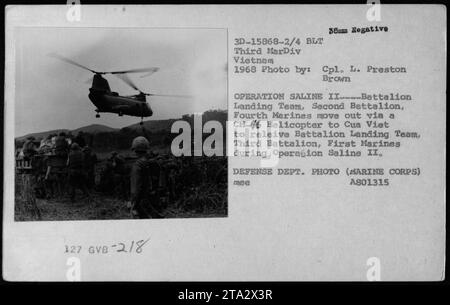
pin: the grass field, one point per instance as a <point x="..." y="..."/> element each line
<point x="203" y="199"/>
<point x="98" y="207"/>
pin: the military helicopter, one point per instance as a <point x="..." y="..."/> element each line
<point x="108" y="101"/>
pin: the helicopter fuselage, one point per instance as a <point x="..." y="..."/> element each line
<point x="107" y="101"/>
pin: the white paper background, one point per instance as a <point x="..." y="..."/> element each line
<point x="308" y="228"/>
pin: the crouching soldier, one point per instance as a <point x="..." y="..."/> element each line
<point x="140" y="181"/>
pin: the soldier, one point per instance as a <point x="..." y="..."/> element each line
<point x="61" y="145"/>
<point x="29" y="149"/>
<point x="69" y="138"/>
<point x="79" y="139"/>
<point x="75" y="165"/>
<point x="46" y="146"/>
<point x="54" y="136"/>
<point x="90" y="159"/>
<point x="140" y="181"/>
<point x="117" y="164"/>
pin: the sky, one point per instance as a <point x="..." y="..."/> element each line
<point x="52" y="94"/>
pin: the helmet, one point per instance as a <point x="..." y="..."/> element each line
<point x="75" y="146"/>
<point x="140" y="144"/>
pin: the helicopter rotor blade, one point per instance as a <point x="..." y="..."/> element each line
<point x="151" y="70"/>
<point x="54" y="55"/>
<point x="168" y="95"/>
<point x="149" y="73"/>
<point x="128" y="81"/>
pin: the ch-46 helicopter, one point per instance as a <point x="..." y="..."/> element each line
<point x="106" y="100"/>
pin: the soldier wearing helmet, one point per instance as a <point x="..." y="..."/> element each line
<point x="140" y="181"/>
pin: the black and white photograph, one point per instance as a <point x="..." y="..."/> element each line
<point x="217" y="143"/>
<point x="109" y="123"/>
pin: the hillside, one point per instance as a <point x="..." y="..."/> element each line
<point x="157" y="126"/>
<point x="94" y="128"/>
<point x="104" y="138"/>
<point x="41" y="135"/>
<point x="153" y="125"/>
